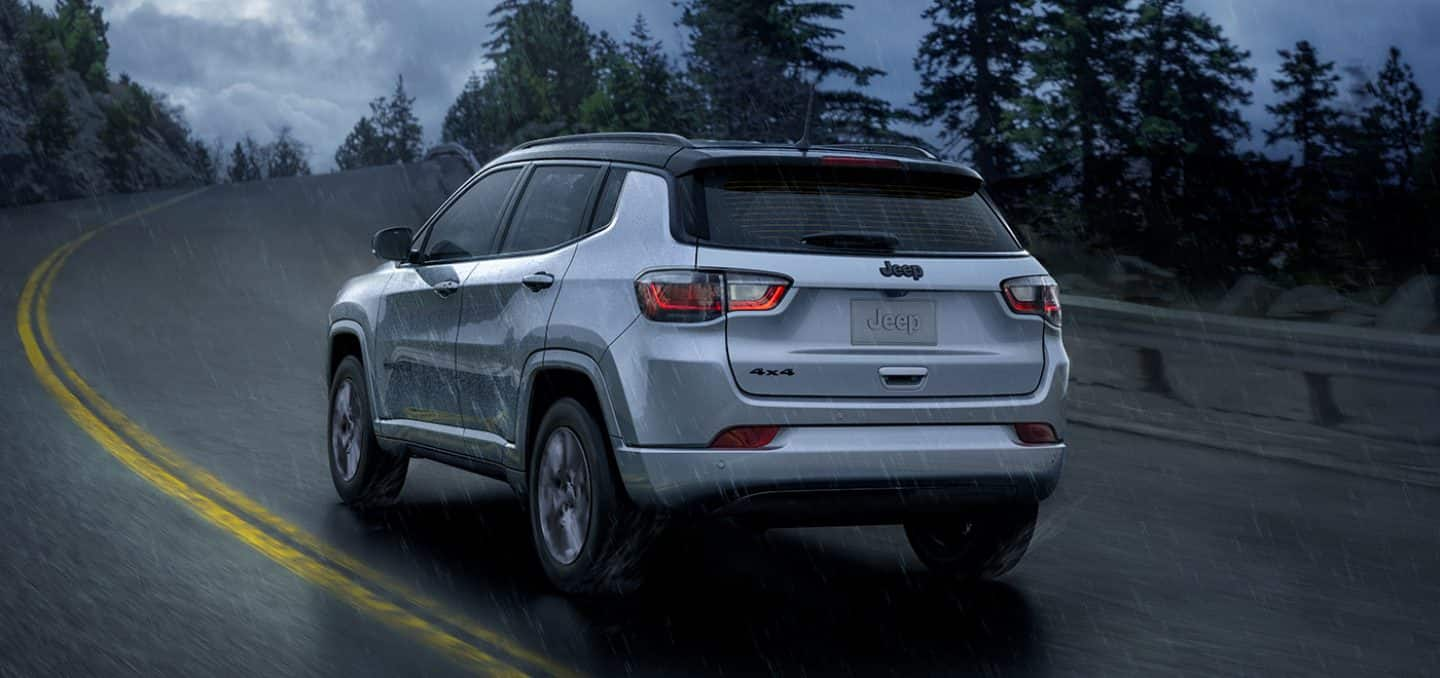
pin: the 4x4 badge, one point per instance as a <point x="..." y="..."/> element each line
<point x="890" y="270"/>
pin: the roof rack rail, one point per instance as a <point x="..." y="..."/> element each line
<point x="603" y="137"/>
<point x="905" y="150"/>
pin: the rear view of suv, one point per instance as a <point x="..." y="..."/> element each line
<point x="637" y="331"/>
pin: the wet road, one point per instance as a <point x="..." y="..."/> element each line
<point x="202" y="324"/>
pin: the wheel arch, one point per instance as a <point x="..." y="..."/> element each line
<point x="548" y="376"/>
<point x="347" y="337"/>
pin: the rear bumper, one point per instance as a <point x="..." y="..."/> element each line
<point x="851" y="474"/>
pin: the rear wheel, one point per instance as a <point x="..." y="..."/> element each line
<point x="588" y="535"/>
<point x="980" y="543"/>
<point x="365" y="475"/>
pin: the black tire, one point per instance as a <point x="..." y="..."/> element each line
<point x="610" y="558"/>
<point x="980" y="543"/>
<point x="377" y="476"/>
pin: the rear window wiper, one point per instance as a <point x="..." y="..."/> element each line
<point x="852" y="240"/>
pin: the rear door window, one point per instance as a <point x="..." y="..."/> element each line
<point x="609" y="197"/>
<point x="550" y="211"/>
<point x="823" y="209"/>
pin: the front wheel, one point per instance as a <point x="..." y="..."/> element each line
<point x="365" y="475"/>
<point x="980" y="543"/>
<point x="590" y="538"/>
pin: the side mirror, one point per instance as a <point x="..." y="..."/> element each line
<point x="392" y="244"/>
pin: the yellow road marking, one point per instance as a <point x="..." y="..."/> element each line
<point x="172" y="481"/>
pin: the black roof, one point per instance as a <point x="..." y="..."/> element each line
<point x="680" y="155"/>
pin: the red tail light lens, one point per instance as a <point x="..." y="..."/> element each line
<point x="681" y="296"/>
<point x="1036" y="433"/>
<point x="697" y="296"/>
<point x="1033" y="295"/>
<point x="745" y="437"/>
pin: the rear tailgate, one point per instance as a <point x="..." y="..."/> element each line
<point x="845" y="330"/>
<point x="896" y="283"/>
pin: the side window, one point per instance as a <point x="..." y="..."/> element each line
<point x="609" y="195"/>
<point x="468" y="228"/>
<point x="550" y="211"/>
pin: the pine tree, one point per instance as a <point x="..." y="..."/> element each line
<point x="1307" y="115"/>
<point x="1191" y="84"/>
<point x="754" y="63"/>
<point x="543" y="67"/>
<point x="286" y="156"/>
<point x="120" y="139"/>
<point x="390" y="134"/>
<point x="1193" y="81"/>
<point x="1396" y="119"/>
<point x="1382" y="168"/>
<point x="42" y="55"/>
<point x="244" y="165"/>
<point x="636" y="86"/>
<point x="81" y="28"/>
<point x="972" y="64"/>
<point x="1079" y="118"/>
<point x="543" y="74"/>
<point x="477" y="119"/>
<point x="1428" y="174"/>
<point x="395" y="121"/>
<point x="362" y="147"/>
<point x="203" y="163"/>
<point x="51" y="132"/>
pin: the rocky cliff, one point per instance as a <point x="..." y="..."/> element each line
<point x="61" y="137"/>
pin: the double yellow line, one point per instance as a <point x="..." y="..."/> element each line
<point x="227" y="508"/>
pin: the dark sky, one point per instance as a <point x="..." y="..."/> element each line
<point x="241" y="66"/>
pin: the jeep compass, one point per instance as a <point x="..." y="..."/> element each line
<point x="642" y="331"/>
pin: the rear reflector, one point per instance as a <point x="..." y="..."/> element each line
<point x="745" y="437"/>
<point x="1036" y="433"/>
<point x="852" y="161"/>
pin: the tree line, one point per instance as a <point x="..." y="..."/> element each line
<point x="1110" y="126"/>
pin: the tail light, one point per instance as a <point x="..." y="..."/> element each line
<point x="745" y="437"/>
<point x="1036" y="433"/>
<point x="697" y="296"/>
<point x="1033" y="295"/>
<point x="750" y="292"/>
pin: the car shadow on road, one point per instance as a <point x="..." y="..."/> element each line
<point x="724" y="599"/>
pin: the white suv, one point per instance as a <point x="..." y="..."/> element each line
<point x="635" y="330"/>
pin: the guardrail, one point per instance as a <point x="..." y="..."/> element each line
<point x="1321" y="353"/>
<point x="1361" y="384"/>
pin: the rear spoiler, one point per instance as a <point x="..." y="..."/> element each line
<point x="688" y="161"/>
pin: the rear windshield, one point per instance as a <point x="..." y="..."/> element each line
<point x="816" y="209"/>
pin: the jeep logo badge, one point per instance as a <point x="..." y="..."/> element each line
<point x="912" y="271"/>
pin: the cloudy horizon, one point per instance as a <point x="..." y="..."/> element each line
<point x="254" y="66"/>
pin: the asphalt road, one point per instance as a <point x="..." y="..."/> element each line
<point x="203" y="323"/>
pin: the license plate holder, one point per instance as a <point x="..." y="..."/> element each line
<point x="892" y="323"/>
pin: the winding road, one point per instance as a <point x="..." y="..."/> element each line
<point x="165" y="508"/>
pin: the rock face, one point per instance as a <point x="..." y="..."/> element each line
<point x="1414" y="307"/>
<point x="1136" y="279"/>
<point x="160" y="157"/>
<point x="1250" y="296"/>
<point x="1316" y="302"/>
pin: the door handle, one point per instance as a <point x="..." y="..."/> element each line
<point x="446" y="288"/>
<point x="538" y="281"/>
